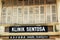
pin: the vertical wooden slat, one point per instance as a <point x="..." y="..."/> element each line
<point x="22" y="12"/>
<point x="45" y="10"/>
<point x="0" y="11"/>
<point x="12" y="12"/>
<point x="6" y="10"/>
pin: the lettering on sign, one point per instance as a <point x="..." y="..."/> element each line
<point x="28" y="29"/>
<point x="28" y="37"/>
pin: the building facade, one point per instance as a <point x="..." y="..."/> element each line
<point x="29" y="19"/>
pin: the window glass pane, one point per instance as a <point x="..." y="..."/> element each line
<point x="36" y="2"/>
<point x="48" y="13"/>
<point x="37" y="10"/>
<point x="41" y="9"/>
<point x="54" y="19"/>
<point x="26" y="15"/>
<point x="54" y="15"/>
<point x="36" y="13"/>
<point x="20" y="2"/>
<point x="53" y="9"/>
<point x="15" y="11"/>
<point x="9" y="2"/>
<point x="25" y="2"/>
<point x="48" y="18"/>
<point x="42" y="18"/>
<point x="8" y="19"/>
<point x="30" y="2"/>
<point x="9" y="10"/>
<point x="19" y="10"/>
<point x="41" y="1"/>
<point x="4" y="3"/>
<point x="3" y="19"/>
<point x="14" y="2"/>
<point x="30" y="15"/>
<point x="3" y="11"/>
<point x="50" y="1"/>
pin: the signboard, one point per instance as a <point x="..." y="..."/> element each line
<point x="18" y="29"/>
<point x="28" y="37"/>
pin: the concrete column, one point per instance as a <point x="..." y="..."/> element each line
<point x="0" y="10"/>
<point x="58" y="10"/>
<point x="53" y="28"/>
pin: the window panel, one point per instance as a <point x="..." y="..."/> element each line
<point x="14" y="11"/>
<point x="36" y="2"/>
<point x="14" y="2"/>
<point x="20" y="2"/>
<point x="9" y="10"/>
<point x="25" y="2"/>
<point x="25" y="15"/>
<point x="41" y="9"/>
<point x="4" y="11"/>
<point x="54" y="15"/>
<point x="48" y="13"/>
<point x="9" y="2"/>
<point x="53" y="9"/>
<point x="30" y="2"/>
<point x="3" y="19"/>
<point x="31" y="17"/>
<point x="4" y="3"/>
<point x="29" y="14"/>
<point x="50" y="1"/>
<point x="42" y="19"/>
<point x="19" y="11"/>
<point x="8" y="20"/>
<point x="36" y="10"/>
<point x="41" y="2"/>
<point x="20" y="20"/>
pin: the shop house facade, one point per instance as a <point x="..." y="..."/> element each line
<point x="29" y="19"/>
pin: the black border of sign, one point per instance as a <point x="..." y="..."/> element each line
<point x="10" y="29"/>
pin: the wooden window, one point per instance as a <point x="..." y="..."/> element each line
<point x="3" y="19"/>
<point x="4" y="3"/>
<point x="19" y="10"/>
<point x="8" y="20"/>
<point x="19" y="2"/>
<point x="30" y="2"/>
<point x="9" y="2"/>
<point x="4" y="11"/>
<point x="9" y="10"/>
<point x="14" y="2"/>
<point x="48" y="14"/>
<point x="15" y="11"/>
<point x="54" y="15"/>
<point x="41" y="9"/>
<point x="36" y="2"/>
<point x="25" y="2"/>
<point x="41" y="1"/>
<point x="53" y="9"/>
<point x="50" y="1"/>
<point x="34" y="11"/>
